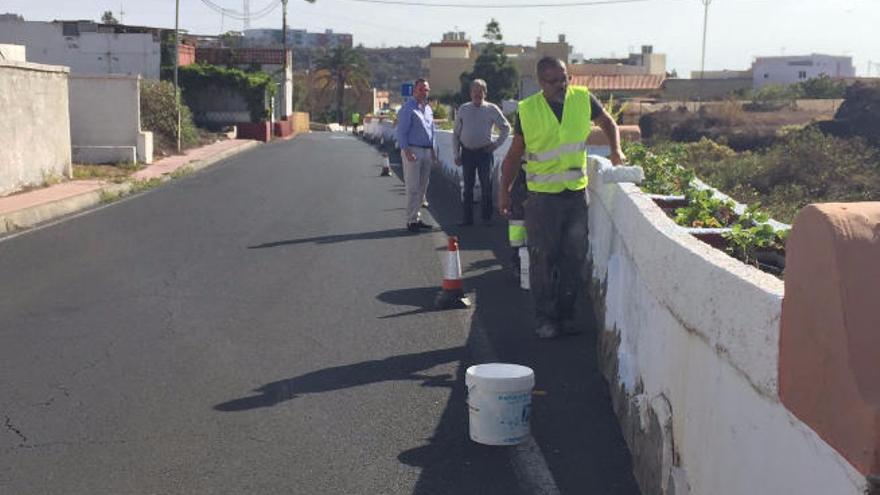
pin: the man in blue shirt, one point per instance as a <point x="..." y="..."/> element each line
<point x="415" y="136"/>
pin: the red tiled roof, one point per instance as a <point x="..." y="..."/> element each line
<point x="627" y="82"/>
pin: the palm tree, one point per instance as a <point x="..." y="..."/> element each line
<point x="339" y="68"/>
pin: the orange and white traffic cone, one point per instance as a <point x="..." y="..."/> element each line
<point x="386" y="166"/>
<point x="452" y="295"/>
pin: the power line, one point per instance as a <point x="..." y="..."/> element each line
<point x="268" y="9"/>
<point x="499" y="6"/>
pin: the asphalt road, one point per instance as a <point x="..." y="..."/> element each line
<point x="265" y="326"/>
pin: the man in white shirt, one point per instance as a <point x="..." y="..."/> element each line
<point x="473" y="146"/>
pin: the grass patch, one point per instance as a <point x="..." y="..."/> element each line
<point x="182" y="172"/>
<point x="113" y="173"/>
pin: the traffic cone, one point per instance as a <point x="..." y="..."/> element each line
<point x="386" y="166"/>
<point x="452" y="295"/>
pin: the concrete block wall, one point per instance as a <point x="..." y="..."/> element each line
<point x="105" y="119"/>
<point x="35" y="125"/>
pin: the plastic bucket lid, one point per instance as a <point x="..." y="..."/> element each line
<point x="500" y="377"/>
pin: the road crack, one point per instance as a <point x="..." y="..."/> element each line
<point x="18" y="433"/>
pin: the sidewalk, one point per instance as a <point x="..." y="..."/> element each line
<point x="25" y="210"/>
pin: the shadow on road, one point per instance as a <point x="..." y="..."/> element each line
<point x="405" y="367"/>
<point x="331" y="239"/>
<point x="421" y="298"/>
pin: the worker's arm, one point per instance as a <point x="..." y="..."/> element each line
<point x="509" y="169"/>
<point x="609" y="127"/>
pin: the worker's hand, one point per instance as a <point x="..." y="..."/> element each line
<point x="434" y="158"/>
<point x="617" y="157"/>
<point x="409" y="155"/>
<point x="504" y="203"/>
<point x="458" y="161"/>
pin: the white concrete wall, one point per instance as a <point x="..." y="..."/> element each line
<point x="105" y="113"/>
<point x="35" y="125"/>
<point x="86" y="53"/>
<point x="698" y="330"/>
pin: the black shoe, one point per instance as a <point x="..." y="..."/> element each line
<point x="412" y="227"/>
<point x="422" y="225"/>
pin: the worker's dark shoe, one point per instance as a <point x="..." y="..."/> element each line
<point x="412" y="227"/>
<point x="422" y="225"/>
<point x="570" y="328"/>
<point x="547" y="330"/>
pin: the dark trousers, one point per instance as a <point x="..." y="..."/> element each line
<point x="556" y="225"/>
<point x="476" y="162"/>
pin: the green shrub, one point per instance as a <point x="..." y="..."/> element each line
<point x="254" y="87"/>
<point x="804" y="167"/>
<point x="159" y="116"/>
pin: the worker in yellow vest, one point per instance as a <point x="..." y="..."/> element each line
<point x="355" y="122"/>
<point x="551" y="130"/>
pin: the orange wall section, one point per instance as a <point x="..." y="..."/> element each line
<point x="829" y="349"/>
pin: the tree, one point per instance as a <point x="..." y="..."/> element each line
<point x="494" y="67"/>
<point x="107" y="18"/>
<point x="823" y="87"/>
<point x="339" y="68"/>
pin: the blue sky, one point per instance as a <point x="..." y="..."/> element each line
<point x="738" y="30"/>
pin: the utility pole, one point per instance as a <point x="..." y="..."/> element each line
<point x="177" y="66"/>
<point x="288" y="105"/>
<point x="705" y="22"/>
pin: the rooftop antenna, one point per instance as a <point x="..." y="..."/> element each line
<point x="247" y="14"/>
<point x="121" y="14"/>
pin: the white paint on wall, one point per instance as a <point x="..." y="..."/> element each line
<point x="35" y="128"/>
<point x="701" y="329"/>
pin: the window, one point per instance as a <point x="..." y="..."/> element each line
<point x="802" y="74"/>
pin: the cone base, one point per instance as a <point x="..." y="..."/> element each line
<point x="451" y="299"/>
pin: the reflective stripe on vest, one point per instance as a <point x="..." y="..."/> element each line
<point x="516" y="233"/>
<point x="556" y="151"/>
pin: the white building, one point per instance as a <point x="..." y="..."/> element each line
<point x="85" y="46"/>
<point x="795" y="69"/>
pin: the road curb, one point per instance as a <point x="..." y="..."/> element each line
<point x="29" y="217"/>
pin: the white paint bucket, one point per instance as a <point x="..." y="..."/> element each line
<point x="499" y="402"/>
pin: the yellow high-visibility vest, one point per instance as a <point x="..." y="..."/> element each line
<point x="556" y="152"/>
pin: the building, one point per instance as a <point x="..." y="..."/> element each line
<point x="447" y="60"/>
<point x="297" y="38"/>
<point x="794" y="69"/>
<point x="86" y="47"/>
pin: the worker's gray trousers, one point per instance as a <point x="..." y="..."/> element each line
<point x="557" y="229"/>
<point x="416" y="175"/>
